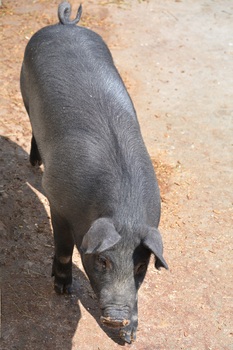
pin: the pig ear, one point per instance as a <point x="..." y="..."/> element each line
<point x="153" y="241"/>
<point x="101" y="236"/>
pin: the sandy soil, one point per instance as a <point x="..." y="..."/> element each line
<point x="176" y="60"/>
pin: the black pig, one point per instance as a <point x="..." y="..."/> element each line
<point x="98" y="176"/>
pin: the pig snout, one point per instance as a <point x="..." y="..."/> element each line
<point x="113" y="317"/>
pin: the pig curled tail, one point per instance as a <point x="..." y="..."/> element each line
<point x="64" y="11"/>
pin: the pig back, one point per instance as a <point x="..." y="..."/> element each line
<point x="70" y="84"/>
<point x="86" y="129"/>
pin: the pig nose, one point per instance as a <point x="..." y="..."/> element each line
<point x="114" y="317"/>
<point x="114" y="323"/>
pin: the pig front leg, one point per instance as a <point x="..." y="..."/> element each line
<point x="128" y="333"/>
<point x="62" y="262"/>
<point x="35" y="157"/>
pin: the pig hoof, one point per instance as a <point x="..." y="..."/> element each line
<point x="62" y="288"/>
<point x="35" y="158"/>
<point x="68" y="289"/>
<point x="58" y="288"/>
<point x="35" y="162"/>
<point x="62" y="273"/>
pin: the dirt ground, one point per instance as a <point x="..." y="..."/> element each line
<point x="176" y="58"/>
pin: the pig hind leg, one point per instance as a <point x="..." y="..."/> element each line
<point x="62" y="262"/>
<point x="35" y="157"/>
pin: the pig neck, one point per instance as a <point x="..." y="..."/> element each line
<point x="133" y="175"/>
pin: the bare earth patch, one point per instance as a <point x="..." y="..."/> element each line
<point x="176" y="60"/>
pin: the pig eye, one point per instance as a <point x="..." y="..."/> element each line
<point x="102" y="262"/>
<point x="141" y="268"/>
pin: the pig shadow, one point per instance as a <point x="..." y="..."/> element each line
<point x="26" y="261"/>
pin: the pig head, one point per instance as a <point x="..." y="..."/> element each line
<point x="116" y="265"/>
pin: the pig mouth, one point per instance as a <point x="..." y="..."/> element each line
<point x="114" y="323"/>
